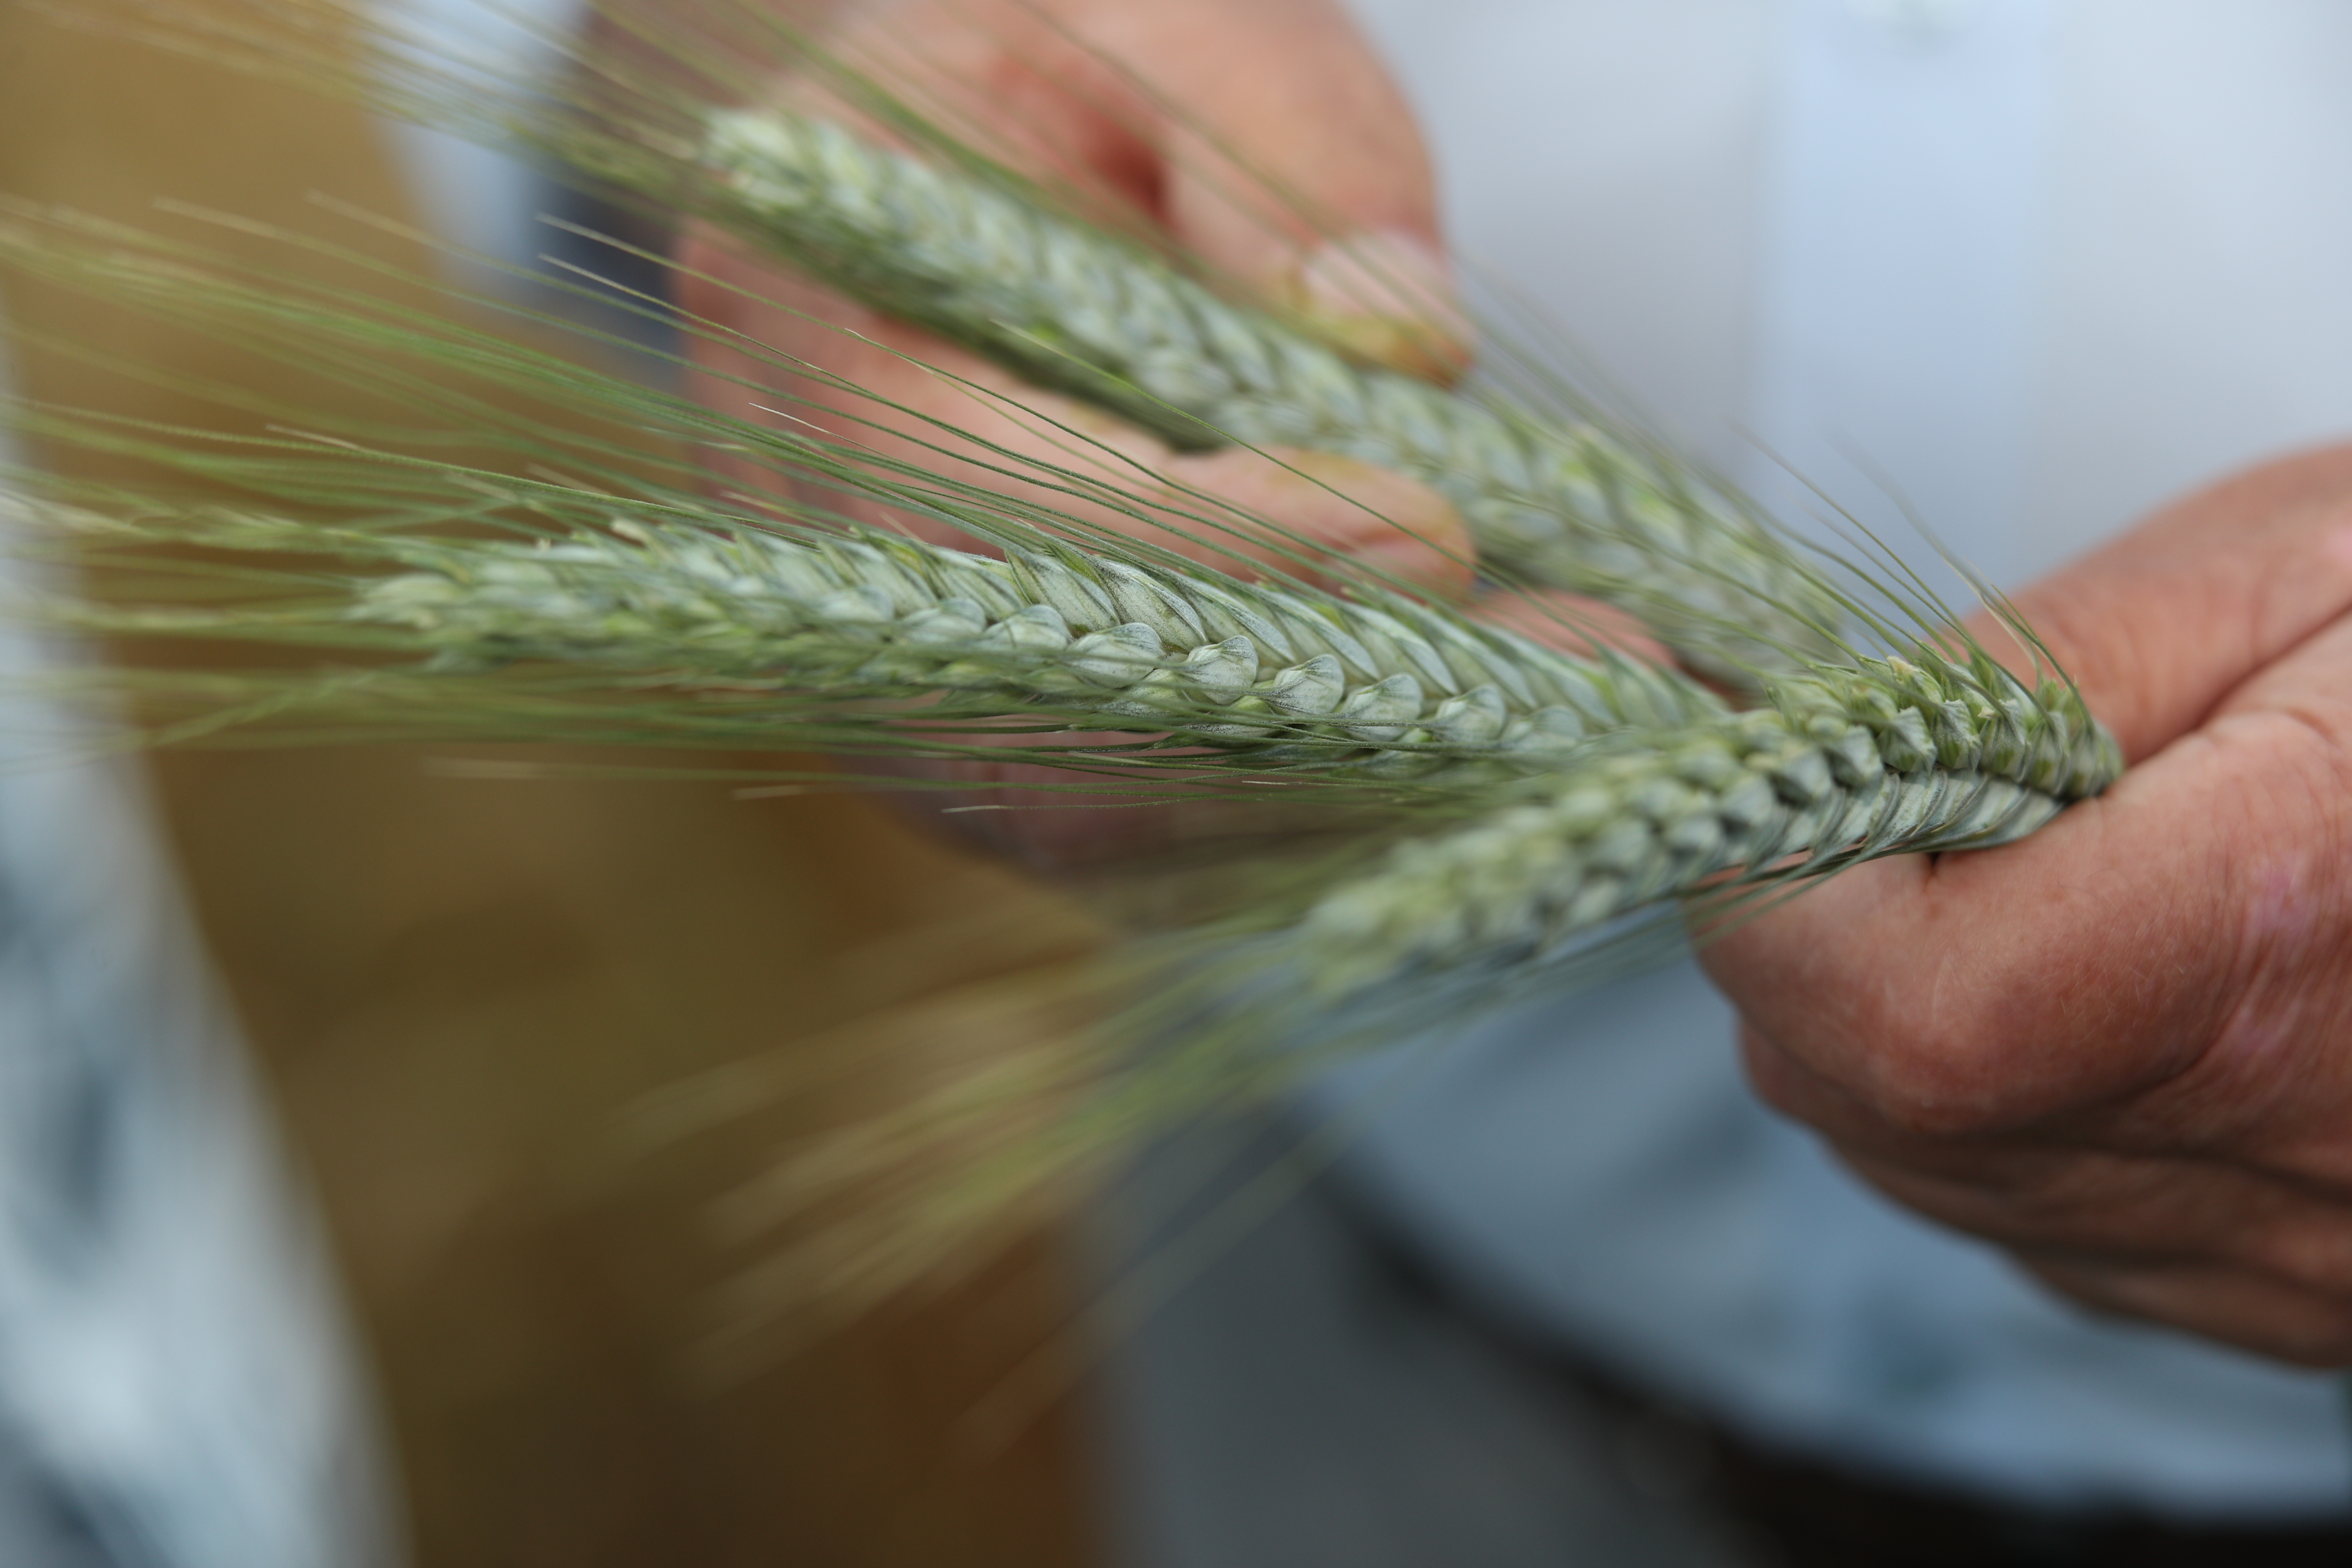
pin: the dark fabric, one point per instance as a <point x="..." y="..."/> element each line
<point x="1809" y="1516"/>
<point x="1786" y="1511"/>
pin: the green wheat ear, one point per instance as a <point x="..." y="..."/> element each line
<point x="1539" y="803"/>
<point x="728" y="629"/>
<point x="1567" y="506"/>
<point x="846" y="626"/>
<point x="1844" y="765"/>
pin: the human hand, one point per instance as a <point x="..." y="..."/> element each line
<point x="1286" y="84"/>
<point x="1289" y="87"/>
<point x="2123" y="1048"/>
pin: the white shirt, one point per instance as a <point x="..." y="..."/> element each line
<point x="2041" y="264"/>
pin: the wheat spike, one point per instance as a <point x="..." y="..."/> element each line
<point x="1894" y="756"/>
<point x="1071" y="308"/>
<point x="1287" y="675"/>
<point x="1589" y="790"/>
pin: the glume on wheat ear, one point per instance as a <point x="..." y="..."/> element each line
<point x="1515" y="810"/>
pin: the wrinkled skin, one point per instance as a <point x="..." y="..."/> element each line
<point x="2123" y="1048"/>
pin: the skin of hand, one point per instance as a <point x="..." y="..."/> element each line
<point x="1046" y="85"/>
<point x="2122" y="1050"/>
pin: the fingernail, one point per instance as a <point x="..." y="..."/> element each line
<point x="1389" y="296"/>
<point x="1380" y="272"/>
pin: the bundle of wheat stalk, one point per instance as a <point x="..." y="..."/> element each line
<point x="1520" y="815"/>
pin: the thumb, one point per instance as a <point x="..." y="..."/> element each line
<point x="1292" y="165"/>
<point x="2160" y="626"/>
<point x="1263" y="136"/>
<point x="1386" y="295"/>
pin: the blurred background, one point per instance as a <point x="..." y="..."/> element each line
<point x="452" y="985"/>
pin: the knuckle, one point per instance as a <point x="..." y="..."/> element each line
<point x="2234" y="1306"/>
<point x="1947" y="1081"/>
<point x="1948" y="1078"/>
<point x="2319" y="1339"/>
<point x="2313" y="1256"/>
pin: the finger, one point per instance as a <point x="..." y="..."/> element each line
<point x="2125" y="1211"/>
<point x="1294" y="166"/>
<point x="1571" y="623"/>
<point x="1316" y="517"/>
<point x="1279" y="126"/>
<point x="2182" y="931"/>
<point x="1265" y="136"/>
<point x="1325" y="519"/>
<point x="2236" y="1307"/>
<point x="2188" y="1242"/>
<point x="1387" y="296"/>
<point x="1023" y="810"/>
<point x="1028" y="82"/>
<point x="2158" y="626"/>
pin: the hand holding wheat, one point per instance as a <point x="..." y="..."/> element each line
<point x="2124" y="1049"/>
<point x="1046" y="87"/>
<point x="1530" y="819"/>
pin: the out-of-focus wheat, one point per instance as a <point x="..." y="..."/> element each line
<point x="1570" y="506"/>
<point x="1278" y="675"/>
